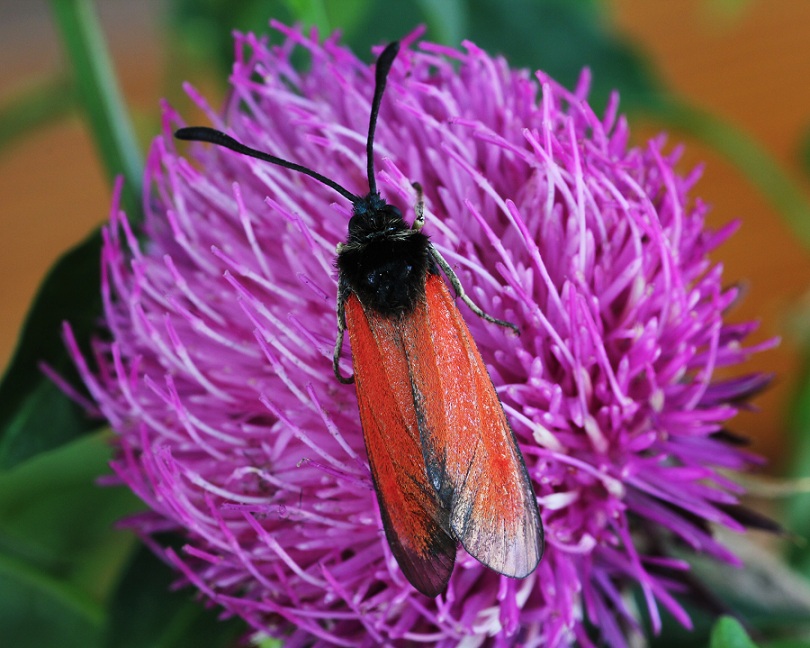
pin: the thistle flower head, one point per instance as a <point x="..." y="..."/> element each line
<point x="216" y="372"/>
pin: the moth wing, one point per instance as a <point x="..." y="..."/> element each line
<point x="472" y="458"/>
<point x="416" y="525"/>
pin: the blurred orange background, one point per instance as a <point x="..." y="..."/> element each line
<point x="746" y="62"/>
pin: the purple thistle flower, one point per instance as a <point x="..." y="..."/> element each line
<point x="216" y="373"/>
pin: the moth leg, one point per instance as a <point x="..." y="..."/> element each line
<point x="419" y="207"/>
<point x="463" y="296"/>
<point x="341" y="325"/>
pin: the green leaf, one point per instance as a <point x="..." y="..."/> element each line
<point x="145" y="613"/>
<point x="35" y="415"/>
<point x="448" y="20"/>
<point x="202" y="30"/>
<point x="56" y="518"/>
<point x="36" y="610"/>
<point x="100" y="96"/>
<point x="561" y="38"/>
<point x="347" y="15"/>
<point x="558" y="36"/>
<point x="728" y="633"/>
<point x="383" y="22"/>
<point x="310" y="13"/>
<point x="787" y="643"/>
<point x="59" y="551"/>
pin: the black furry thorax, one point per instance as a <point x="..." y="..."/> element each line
<point x="384" y="262"/>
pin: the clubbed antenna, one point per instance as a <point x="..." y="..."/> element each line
<point x="213" y="136"/>
<point x="383" y="68"/>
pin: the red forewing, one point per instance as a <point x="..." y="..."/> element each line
<point x="415" y="521"/>
<point x="470" y="452"/>
<point x="444" y="458"/>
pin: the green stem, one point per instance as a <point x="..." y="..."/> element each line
<point x="33" y="107"/>
<point x="798" y="508"/>
<point x="100" y="96"/>
<point x="55" y="590"/>
<point x="762" y="170"/>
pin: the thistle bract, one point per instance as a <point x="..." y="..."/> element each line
<point x="215" y="367"/>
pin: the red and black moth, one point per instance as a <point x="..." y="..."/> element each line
<point x="445" y="463"/>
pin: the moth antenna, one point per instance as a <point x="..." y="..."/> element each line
<point x="381" y="76"/>
<point x="213" y="136"/>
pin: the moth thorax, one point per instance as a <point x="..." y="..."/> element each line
<point x="387" y="270"/>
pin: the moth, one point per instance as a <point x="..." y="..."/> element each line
<point x="444" y="461"/>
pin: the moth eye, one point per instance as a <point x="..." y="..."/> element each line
<point x="371" y="278"/>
